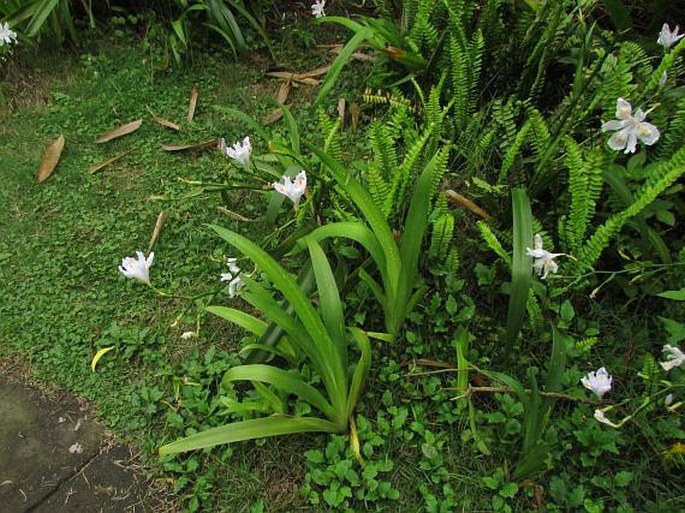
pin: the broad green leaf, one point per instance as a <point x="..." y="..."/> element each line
<point x="521" y="264"/>
<point x="249" y="430"/>
<point x="361" y="371"/>
<point x="283" y="380"/>
<point x="676" y="295"/>
<point x="240" y="318"/>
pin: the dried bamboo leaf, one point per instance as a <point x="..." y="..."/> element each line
<point x="162" y="121"/>
<point x="462" y="201"/>
<point x="50" y="158"/>
<point x="193" y="102"/>
<point x="97" y="167"/>
<point x="283" y="92"/>
<point x="193" y="146"/>
<point x="234" y="215"/>
<point x="159" y="224"/>
<point x="118" y="132"/>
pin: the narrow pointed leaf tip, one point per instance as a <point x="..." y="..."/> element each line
<point x="99" y="355"/>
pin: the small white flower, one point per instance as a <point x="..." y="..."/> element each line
<point x="234" y="286"/>
<point x="599" y="382"/>
<point x="7" y="35"/>
<point x="188" y="335"/>
<point x="668" y="38"/>
<point x="76" y="448"/>
<point x="294" y="190"/>
<point x="668" y="400"/>
<point x="599" y="415"/>
<point x="544" y="260"/>
<point x="630" y="128"/>
<point x="318" y="6"/>
<point x="674" y="358"/>
<point x="137" y="268"/>
<point x="240" y="153"/>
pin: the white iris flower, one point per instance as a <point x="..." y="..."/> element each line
<point x="240" y="153"/>
<point x="630" y="128"/>
<point x="668" y="38"/>
<point x="674" y="357"/>
<point x="544" y="260"/>
<point x="599" y="382"/>
<point x="317" y="8"/>
<point x="7" y="35"/>
<point x="293" y="189"/>
<point x="137" y="268"/>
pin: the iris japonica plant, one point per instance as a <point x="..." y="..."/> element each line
<point x="318" y="334"/>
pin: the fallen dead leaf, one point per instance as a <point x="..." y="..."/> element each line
<point x="283" y="92"/>
<point x="159" y="224"/>
<point x="272" y="116"/>
<point x="359" y="56"/>
<point x="193" y="103"/>
<point x="162" y="121"/>
<point x="354" y="115"/>
<point x="341" y="109"/>
<point x="234" y="215"/>
<point x="50" y="158"/>
<point x="464" y="202"/>
<point x="118" y="132"/>
<point x="193" y="146"/>
<point x="97" y="167"/>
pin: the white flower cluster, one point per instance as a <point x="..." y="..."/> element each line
<point x="235" y="281"/>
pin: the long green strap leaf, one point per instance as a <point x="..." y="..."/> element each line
<point x="285" y="381"/>
<point x="240" y="318"/>
<point x="250" y="430"/>
<point x="361" y="371"/>
<point x="521" y="268"/>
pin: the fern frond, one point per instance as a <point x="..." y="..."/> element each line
<point x="660" y="179"/>
<point x="492" y="241"/>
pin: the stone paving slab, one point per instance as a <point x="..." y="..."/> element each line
<point x="54" y="458"/>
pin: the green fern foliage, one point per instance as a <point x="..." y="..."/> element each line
<point x="585" y="185"/>
<point x="660" y="179"/>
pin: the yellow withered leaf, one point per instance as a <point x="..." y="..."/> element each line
<point x="162" y="121"/>
<point x="118" y="132"/>
<point x="283" y="92"/>
<point x="50" y="158"/>
<point x="99" y="355"/>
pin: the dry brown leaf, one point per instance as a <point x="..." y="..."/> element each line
<point x="97" y="167"/>
<point x="161" y="219"/>
<point x="234" y="215"/>
<point x="118" y="132"/>
<point x="294" y="77"/>
<point x="314" y="73"/>
<point x="462" y="201"/>
<point x="283" y="92"/>
<point x="193" y="146"/>
<point x="162" y="121"/>
<point x="50" y="158"/>
<point x="308" y="81"/>
<point x="341" y="109"/>
<point x="193" y="103"/>
<point x="272" y="116"/>
<point x="359" y="56"/>
<point x="354" y="115"/>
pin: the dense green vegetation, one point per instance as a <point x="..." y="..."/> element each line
<point x="474" y="301"/>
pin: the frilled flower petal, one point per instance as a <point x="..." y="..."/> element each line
<point x="601" y="417"/>
<point x="648" y="133"/>
<point x="619" y="139"/>
<point x="674" y="357"/>
<point x="631" y="143"/>
<point x="614" y="124"/>
<point x="293" y="189"/>
<point x="623" y="109"/>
